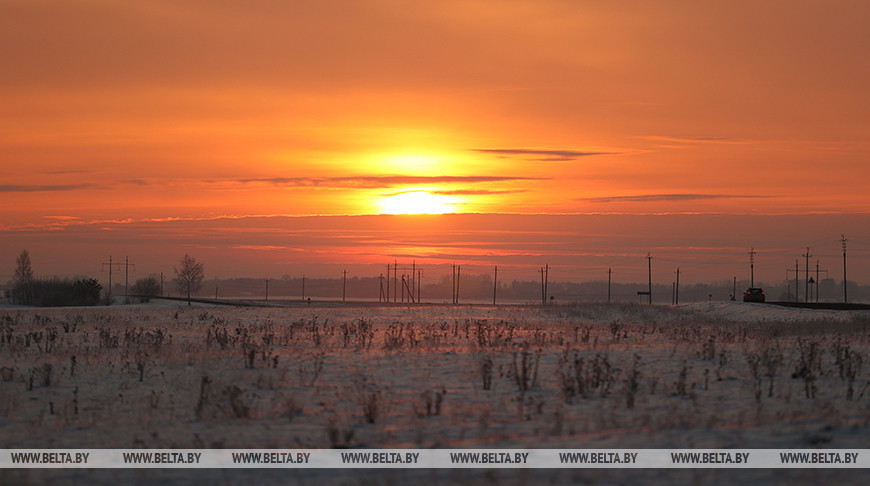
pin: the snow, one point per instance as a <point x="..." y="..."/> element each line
<point x="756" y="312"/>
<point x="416" y="376"/>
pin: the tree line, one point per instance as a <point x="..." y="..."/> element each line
<point x="190" y="275"/>
<point x="55" y="292"/>
<point x="28" y="290"/>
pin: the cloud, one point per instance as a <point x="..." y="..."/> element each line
<point x="138" y="182"/>
<point x="43" y="187"/>
<point x="668" y="197"/>
<point x="475" y="192"/>
<point x="265" y="248"/>
<point x="68" y="171"/>
<point x="361" y="182"/>
<point x="376" y="182"/>
<point x="697" y="139"/>
<point x="457" y="192"/>
<point x="63" y="218"/>
<point x="544" y="155"/>
<point x="72" y="187"/>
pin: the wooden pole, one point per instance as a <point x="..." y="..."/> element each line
<point x="807" y="280"/>
<point x="609" y="277"/>
<point x="546" y="281"/>
<point x="458" y="278"/>
<point x="845" y="292"/>
<point x="494" y="284"/>
<point x="453" y="289"/>
<point x="649" y="263"/>
<point x="796" y="275"/>
<point x="752" y="267"/>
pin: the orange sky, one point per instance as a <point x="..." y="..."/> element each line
<point x="142" y="111"/>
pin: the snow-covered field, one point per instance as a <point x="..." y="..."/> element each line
<point x="165" y="375"/>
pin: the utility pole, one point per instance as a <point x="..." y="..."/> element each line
<point x="408" y="288"/>
<point x="458" y="275"/>
<point x="609" y="277"/>
<point x="796" y="274"/>
<point x="494" y="284"/>
<point x="413" y="278"/>
<point x="807" y="281"/>
<point x="543" y="292"/>
<point x="677" y="294"/>
<point x="752" y="267"/>
<point x="649" y="264"/>
<point x="127" y="265"/>
<point x="734" y="292"/>
<point x="453" y="289"/>
<point x="395" y="279"/>
<point x="388" y="282"/>
<point x="547" y="280"/>
<point x="843" y="241"/>
<point x="419" y="283"/>
<point x="344" y="286"/>
<point x="126" y="276"/>
<point x="110" y="264"/>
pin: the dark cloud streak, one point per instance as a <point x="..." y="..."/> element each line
<point x="696" y="139"/>
<point x="44" y="187"/>
<point x="544" y="155"/>
<point x="475" y="192"/>
<point x="375" y="182"/>
<point x="669" y="197"/>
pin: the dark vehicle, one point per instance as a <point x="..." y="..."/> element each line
<point x="753" y="295"/>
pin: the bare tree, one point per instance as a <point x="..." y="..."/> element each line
<point x="23" y="270"/>
<point x="23" y="279"/>
<point x="146" y="288"/>
<point x="189" y="275"/>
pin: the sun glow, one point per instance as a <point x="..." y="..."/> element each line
<point x="417" y="202"/>
<point x="412" y="164"/>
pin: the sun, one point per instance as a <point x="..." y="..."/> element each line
<point x="417" y="202"/>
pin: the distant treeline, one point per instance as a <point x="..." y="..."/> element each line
<point x="56" y="292"/>
<point x="479" y="288"/>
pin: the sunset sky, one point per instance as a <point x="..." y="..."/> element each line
<point x="263" y="136"/>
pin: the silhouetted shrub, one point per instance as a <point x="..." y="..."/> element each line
<point x="146" y="289"/>
<point x="59" y="293"/>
